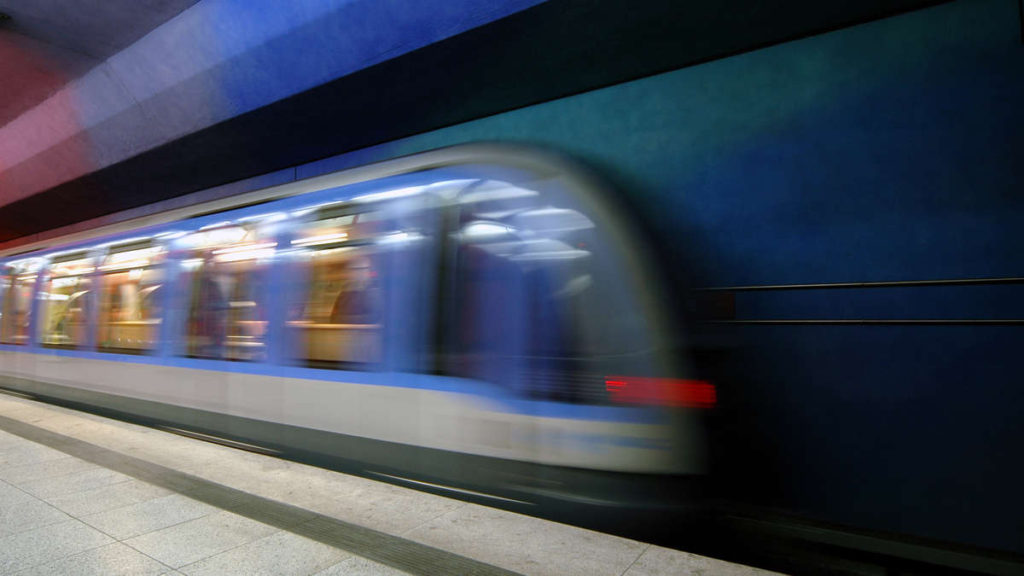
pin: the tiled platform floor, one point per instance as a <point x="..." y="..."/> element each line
<point x="81" y="494"/>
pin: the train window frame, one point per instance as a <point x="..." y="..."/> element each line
<point x="45" y="297"/>
<point x="138" y="256"/>
<point x="302" y="252"/>
<point x="401" y="228"/>
<point x="198" y="251"/>
<point x="33" y="267"/>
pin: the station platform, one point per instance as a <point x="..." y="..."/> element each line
<point x="83" y="494"/>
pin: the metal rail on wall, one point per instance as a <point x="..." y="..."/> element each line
<point x="724" y="295"/>
<point x="886" y="284"/>
<point x="880" y="322"/>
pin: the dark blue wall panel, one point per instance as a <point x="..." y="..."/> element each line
<point x="889" y="151"/>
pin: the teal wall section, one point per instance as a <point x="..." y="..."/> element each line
<point x="907" y="118"/>
<point x="888" y="151"/>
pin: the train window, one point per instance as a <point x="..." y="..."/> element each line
<point x="225" y="272"/>
<point x="335" y="322"/>
<point x="130" y="307"/>
<point x="19" y="283"/>
<point x="65" y="301"/>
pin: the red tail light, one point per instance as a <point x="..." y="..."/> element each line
<point x="661" y="391"/>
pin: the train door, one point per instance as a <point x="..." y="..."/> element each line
<point x="517" y="266"/>
<point x="485" y="308"/>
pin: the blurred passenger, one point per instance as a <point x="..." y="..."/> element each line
<point x="357" y="303"/>
<point x="208" y="325"/>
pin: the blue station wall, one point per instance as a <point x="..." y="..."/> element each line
<point x="887" y="151"/>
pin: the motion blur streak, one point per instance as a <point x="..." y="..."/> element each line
<point x="663" y="391"/>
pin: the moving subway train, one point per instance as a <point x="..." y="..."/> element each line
<point x="475" y="316"/>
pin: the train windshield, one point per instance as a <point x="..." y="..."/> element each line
<point x="542" y="304"/>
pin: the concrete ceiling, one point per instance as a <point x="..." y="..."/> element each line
<point x="234" y="89"/>
<point x="46" y="43"/>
